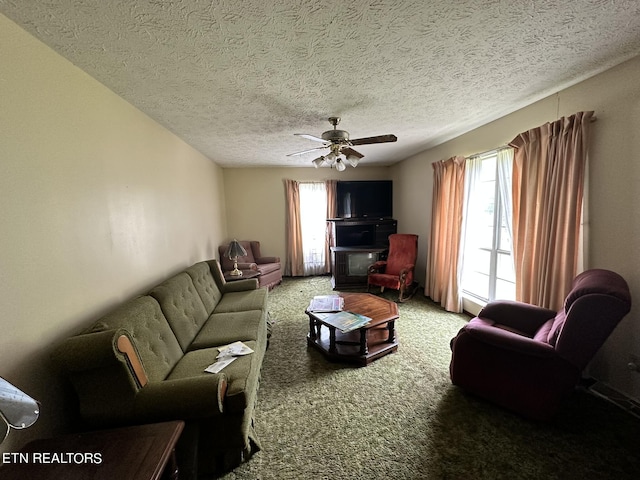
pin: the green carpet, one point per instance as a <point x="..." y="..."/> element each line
<point x="400" y="417"/>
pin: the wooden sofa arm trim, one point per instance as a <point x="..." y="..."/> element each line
<point x="126" y="347"/>
<point x="222" y="394"/>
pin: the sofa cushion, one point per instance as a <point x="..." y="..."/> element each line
<point x="242" y="301"/>
<point x="182" y="306"/>
<point x="206" y="286"/>
<point x="384" y="280"/>
<point x="242" y="374"/>
<point x="224" y="328"/>
<point x="154" y="340"/>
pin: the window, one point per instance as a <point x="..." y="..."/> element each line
<point x="487" y="263"/>
<point x="313" y="217"/>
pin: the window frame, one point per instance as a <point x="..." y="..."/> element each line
<point x="495" y="250"/>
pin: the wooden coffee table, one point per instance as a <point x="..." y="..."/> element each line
<point x="361" y="346"/>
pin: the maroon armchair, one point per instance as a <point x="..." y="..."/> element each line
<point x="396" y="272"/>
<point x="269" y="267"/>
<point x="529" y="359"/>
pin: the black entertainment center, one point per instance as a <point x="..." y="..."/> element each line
<point x="361" y="231"/>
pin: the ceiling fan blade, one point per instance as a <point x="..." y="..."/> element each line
<point x="378" y="139"/>
<point x="310" y="137"/>
<point x="306" y="151"/>
<point x="350" y="151"/>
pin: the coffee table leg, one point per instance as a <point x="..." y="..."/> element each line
<point x="332" y="339"/>
<point x="392" y="331"/>
<point x="312" y="329"/>
<point x="364" y="350"/>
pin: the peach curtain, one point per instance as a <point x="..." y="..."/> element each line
<point x="548" y="183"/>
<point x="294" y="261"/>
<point x="332" y="209"/>
<point x="443" y="261"/>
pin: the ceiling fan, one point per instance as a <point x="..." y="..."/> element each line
<point x="340" y="146"/>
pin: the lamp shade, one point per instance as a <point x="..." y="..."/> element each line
<point x="17" y="409"/>
<point x="235" y="250"/>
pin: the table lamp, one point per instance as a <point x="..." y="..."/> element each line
<point x="235" y="250"/>
<point x="17" y="409"/>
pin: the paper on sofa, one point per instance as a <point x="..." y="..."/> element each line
<point x="228" y="353"/>
<point x="219" y="365"/>
<point x="235" y="349"/>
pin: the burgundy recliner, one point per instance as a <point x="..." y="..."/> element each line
<point x="529" y="359"/>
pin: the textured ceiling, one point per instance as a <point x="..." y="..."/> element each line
<point x="237" y="78"/>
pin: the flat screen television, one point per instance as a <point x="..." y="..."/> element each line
<point x="365" y="199"/>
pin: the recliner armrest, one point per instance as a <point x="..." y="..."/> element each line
<point x="506" y="340"/>
<point x="247" y="266"/>
<point x="183" y="398"/>
<point x="520" y="316"/>
<point x="267" y="260"/>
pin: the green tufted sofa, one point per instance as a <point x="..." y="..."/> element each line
<point x="145" y="361"/>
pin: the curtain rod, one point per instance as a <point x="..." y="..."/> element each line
<point x="504" y="147"/>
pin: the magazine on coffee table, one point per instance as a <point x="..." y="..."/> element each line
<point x="346" y="321"/>
<point x="326" y="303"/>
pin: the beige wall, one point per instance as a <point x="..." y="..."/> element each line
<point x="614" y="191"/>
<point x="256" y="203"/>
<point x="97" y="203"/>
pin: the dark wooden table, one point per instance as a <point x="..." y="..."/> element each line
<point x="245" y="274"/>
<point x="142" y="452"/>
<point x="361" y="346"/>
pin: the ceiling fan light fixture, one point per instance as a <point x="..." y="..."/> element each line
<point x="339" y="144"/>
<point x="353" y="160"/>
